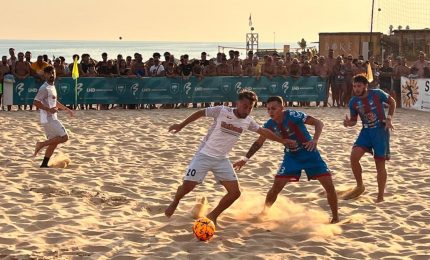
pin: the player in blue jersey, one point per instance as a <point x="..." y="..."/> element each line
<point x="301" y="152"/>
<point x="375" y="134"/>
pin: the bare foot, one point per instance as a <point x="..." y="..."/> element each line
<point x="334" y="220"/>
<point x="379" y="199"/>
<point x="39" y="145"/>
<point x="212" y="218"/>
<point x="356" y="192"/>
<point x="170" y="209"/>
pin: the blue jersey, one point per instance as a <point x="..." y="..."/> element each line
<point x="292" y="127"/>
<point x="370" y="108"/>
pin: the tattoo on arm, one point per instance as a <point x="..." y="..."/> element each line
<point x="254" y="148"/>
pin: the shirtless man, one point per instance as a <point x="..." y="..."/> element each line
<point x="138" y="67"/>
<point x="268" y="69"/>
<point x="421" y="63"/>
<point x="349" y="74"/>
<point x="224" y="69"/>
<point x="11" y="61"/>
<point x="210" y="70"/>
<point x="21" y="69"/>
<point x="401" y="70"/>
<point x="247" y="65"/>
<point x="323" y="71"/>
<point x="237" y="68"/>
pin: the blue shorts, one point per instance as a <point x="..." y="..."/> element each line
<point x="375" y="141"/>
<point x="294" y="162"/>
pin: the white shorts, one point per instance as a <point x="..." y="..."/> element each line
<point x="202" y="163"/>
<point x="53" y="129"/>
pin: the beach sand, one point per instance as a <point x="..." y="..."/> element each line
<point x="124" y="168"/>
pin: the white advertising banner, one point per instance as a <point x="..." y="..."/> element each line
<point x="416" y="94"/>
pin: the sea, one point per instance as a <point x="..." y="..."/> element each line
<point x="55" y="48"/>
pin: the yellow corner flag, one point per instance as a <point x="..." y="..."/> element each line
<point x="369" y="73"/>
<point x="75" y="70"/>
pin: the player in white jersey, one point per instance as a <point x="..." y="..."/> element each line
<point x="212" y="155"/>
<point x="46" y="101"/>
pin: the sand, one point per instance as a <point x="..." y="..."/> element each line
<point x="124" y="168"/>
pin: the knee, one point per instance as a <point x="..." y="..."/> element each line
<point x="64" y="138"/>
<point x="235" y="194"/>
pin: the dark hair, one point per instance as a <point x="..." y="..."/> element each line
<point x="75" y="56"/>
<point x="248" y="94"/>
<point x="360" y="79"/>
<point x="104" y="54"/>
<point x="203" y="53"/>
<point x="48" y="69"/>
<point x="185" y="56"/>
<point x="156" y="54"/>
<point x="276" y="99"/>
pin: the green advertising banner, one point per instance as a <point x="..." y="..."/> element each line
<point x="172" y="90"/>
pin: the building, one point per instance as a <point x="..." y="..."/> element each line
<point x="407" y="43"/>
<point x="354" y="43"/>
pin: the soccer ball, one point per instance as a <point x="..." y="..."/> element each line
<point x="203" y="229"/>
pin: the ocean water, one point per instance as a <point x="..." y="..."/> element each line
<point x="113" y="48"/>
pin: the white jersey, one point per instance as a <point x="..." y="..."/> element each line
<point x="225" y="131"/>
<point x="47" y="94"/>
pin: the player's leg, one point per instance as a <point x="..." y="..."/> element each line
<point x="381" y="147"/>
<point x="233" y="193"/>
<point x="271" y="196"/>
<point x="184" y="189"/>
<point x="194" y="174"/>
<point x="327" y="183"/>
<point x="356" y="154"/>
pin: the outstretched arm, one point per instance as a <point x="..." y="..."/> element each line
<point x="252" y="150"/>
<point x="193" y="117"/>
<point x="66" y="109"/>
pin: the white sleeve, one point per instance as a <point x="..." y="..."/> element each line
<point x="213" y="111"/>
<point x="253" y="126"/>
<point x="42" y="94"/>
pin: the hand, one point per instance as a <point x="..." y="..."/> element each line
<point x="52" y="110"/>
<point x="70" y="112"/>
<point x="388" y="124"/>
<point x="175" y="128"/>
<point x="346" y="121"/>
<point x="292" y="144"/>
<point x="238" y="165"/>
<point x="310" y="145"/>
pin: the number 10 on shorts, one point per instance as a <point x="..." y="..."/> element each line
<point x="191" y="172"/>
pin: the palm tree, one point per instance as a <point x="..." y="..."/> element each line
<point x="400" y="27"/>
<point x="302" y="44"/>
<point x="391" y="29"/>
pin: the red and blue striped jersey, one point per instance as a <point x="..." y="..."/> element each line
<point x="370" y="108"/>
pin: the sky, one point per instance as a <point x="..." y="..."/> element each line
<point x="186" y="20"/>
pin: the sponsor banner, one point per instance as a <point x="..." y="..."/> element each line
<point x="416" y="94"/>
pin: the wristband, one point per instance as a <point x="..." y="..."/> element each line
<point x="245" y="159"/>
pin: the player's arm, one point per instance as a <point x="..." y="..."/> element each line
<point x="66" y="109"/>
<point x="41" y="106"/>
<point x="391" y="109"/>
<point x="252" y="150"/>
<point x="312" y="144"/>
<point x="193" y="117"/>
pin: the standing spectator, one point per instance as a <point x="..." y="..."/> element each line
<point x="102" y="67"/>
<point x="185" y="69"/>
<point x="203" y="59"/>
<point x="339" y="83"/>
<point x="70" y="66"/>
<point x="166" y="58"/>
<point x="85" y="63"/>
<point x="247" y="65"/>
<point x="401" y="70"/>
<point x="268" y="69"/>
<point x="224" y="68"/>
<point x="128" y="60"/>
<point x="421" y="63"/>
<point x="210" y="70"/>
<point x="306" y="69"/>
<point x="39" y="65"/>
<point x="385" y="74"/>
<point x="171" y="70"/>
<point x="21" y="70"/>
<point x="157" y="70"/>
<point x="237" y="67"/>
<point x="349" y="74"/>
<point x="28" y="57"/>
<point x="122" y="68"/>
<point x="138" y="67"/>
<point x="11" y="61"/>
<point x="45" y="59"/>
<point x="4" y="69"/>
<point x="321" y="70"/>
<point x="59" y="69"/>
